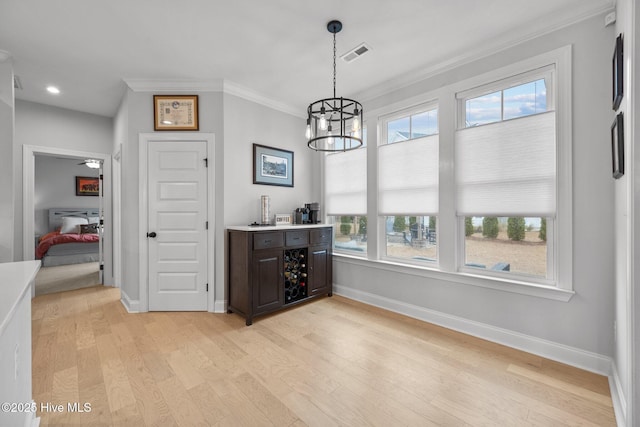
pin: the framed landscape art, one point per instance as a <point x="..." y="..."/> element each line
<point x="272" y="166"/>
<point x="87" y="186"/>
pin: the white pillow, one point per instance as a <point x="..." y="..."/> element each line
<point x="94" y="220"/>
<point x="71" y="225"/>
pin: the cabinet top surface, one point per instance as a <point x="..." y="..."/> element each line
<point x="16" y="278"/>
<point x="274" y="227"/>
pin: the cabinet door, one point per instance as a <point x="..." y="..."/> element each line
<point x="268" y="282"/>
<point x="319" y="270"/>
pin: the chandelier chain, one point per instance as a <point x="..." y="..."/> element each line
<point x="334" y="65"/>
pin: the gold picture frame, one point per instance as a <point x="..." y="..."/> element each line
<point x="175" y="112"/>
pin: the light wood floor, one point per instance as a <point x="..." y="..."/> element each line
<point x="326" y="363"/>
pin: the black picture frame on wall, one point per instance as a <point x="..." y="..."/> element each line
<point x="272" y="166"/>
<point x="617" y="74"/>
<point x="617" y="146"/>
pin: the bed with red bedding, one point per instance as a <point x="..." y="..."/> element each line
<point x="73" y="239"/>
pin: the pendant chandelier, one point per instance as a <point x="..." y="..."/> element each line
<point x="334" y="124"/>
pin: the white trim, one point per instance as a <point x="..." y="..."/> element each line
<point x="244" y="92"/>
<point x="220" y="306"/>
<point x="131" y="305"/>
<point x="617" y="396"/>
<point x="28" y="188"/>
<point x="31" y="420"/>
<point x="216" y="85"/>
<point x="498" y="284"/>
<point x="576" y="357"/>
<point x="152" y="85"/>
<point x="143" y="260"/>
<point x="116" y="200"/>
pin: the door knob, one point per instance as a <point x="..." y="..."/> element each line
<point x="152" y="234"/>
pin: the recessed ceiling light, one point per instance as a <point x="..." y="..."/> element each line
<point x="52" y="89"/>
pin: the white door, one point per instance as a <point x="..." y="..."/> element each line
<point x="177" y="222"/>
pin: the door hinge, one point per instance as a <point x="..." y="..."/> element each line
<point x="101" y="267"/>
<point x="206" y="162"/>
<point x="101" y="177"/>
<point x="206" y="225"/>
<point x="207" y="287"/>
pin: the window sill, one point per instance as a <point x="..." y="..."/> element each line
<point x="513" y="286"/>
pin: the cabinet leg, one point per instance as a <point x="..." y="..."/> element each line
<point x="229" y="311"/>
<point x="249" y="321"/>
<point x="330" y="294"/>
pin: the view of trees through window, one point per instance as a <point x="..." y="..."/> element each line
<point x="350" y="233"/>
<point x="412" y="237"/>
<point x="514" y="244"/>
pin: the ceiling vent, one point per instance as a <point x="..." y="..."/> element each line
<point x="17" y="84"/>
<point x="356" y="52"/>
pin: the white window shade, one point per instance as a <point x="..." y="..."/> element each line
<point x="507" y="168"/>
<point x="346" y="183"/>
<point x="408" y="177"/>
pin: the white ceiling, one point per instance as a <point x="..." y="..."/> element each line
<point x="279" y="49"/>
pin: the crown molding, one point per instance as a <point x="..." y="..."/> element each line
<point x="421" y="74"/>
<point x="244" y="92"/>
<point x="216" y="85"/>
<point x="157" y="85"/>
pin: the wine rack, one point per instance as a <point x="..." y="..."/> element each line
<point x="280" y="267"/>
<point x="295" y="275"/>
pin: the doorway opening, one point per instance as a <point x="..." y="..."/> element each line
<point x="67" y="218"/>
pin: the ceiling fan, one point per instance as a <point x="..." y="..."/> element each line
<point x="92" y="163"/>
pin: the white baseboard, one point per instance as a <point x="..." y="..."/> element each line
<point x="132" y="306"/>
<point x="618" y="397"/>
<point x="559" y="352"/>
<point x="220" y="306"/>
<point x="31" y="420"/>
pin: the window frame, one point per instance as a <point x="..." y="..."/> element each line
<point x="383" y="124"/>
<point x="449" y="226"/>
<point x="333" y="223"/>
<point x="556" y="66"/>
<point x="547" y="72"/>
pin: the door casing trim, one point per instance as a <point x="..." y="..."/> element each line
<point x="144" y="140"/>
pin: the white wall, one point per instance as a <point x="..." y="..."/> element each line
<point x="7" y="250"/>
<point x="55" y="181"/>
<point x="586" y="321"/>
<point x="47" y="126"/>
<point x="136" y="115"/>
<point x="236" y="124"/>
<point x="246" y="123"/>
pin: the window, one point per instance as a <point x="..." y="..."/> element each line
<point x="412" y="126"/>
<point x="350" y="233"/>
<point x="505" y="161"/>
<point x="473" y="188"/>
<point x="346" y="198"/>
<point x="518" y="101"/>
<point x="506" y="244"/>
<point x="408" y="183"/>
<point x="412" y="238"/>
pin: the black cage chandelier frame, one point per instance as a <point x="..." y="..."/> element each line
<point x="334" y="124"/>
